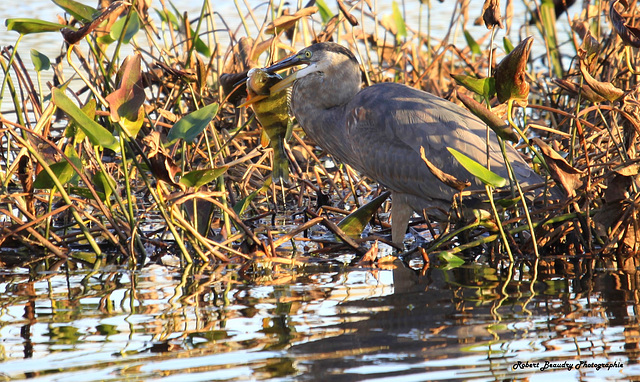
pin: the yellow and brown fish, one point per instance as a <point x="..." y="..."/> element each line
<point x="272" y="111"/>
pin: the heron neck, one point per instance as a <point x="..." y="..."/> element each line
<point x="319" y="102"/>
<point x="325" y="127"/>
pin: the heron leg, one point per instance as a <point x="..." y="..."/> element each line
<point x="400" y="214"/>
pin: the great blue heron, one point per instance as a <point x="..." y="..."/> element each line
<point x="379" y="130"/>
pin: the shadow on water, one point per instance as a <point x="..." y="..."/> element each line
<point x="324" y="323"/>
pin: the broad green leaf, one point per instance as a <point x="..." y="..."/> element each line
<point x="168" y="17"/>
<point x="132" y="27"/>
<point x="452" y="261"/>
<point x="473" y="45"/>
<point x="199" y="178"/>
<point x="133" y="126"/>
<point x="40" y="61"/>
<point x="101" y="182"/>
<point x="201" y="46"/>
<point x="98" y="135"/>
<point x="118" y="28"/>
<point x="88" y="257"/>
<point x="354" y="223"/>
<point x="479" y="171"/>
<point x="28" y="26"/>
<point x="191" y="125"/>
<point x="79" y="11"/>
<point x="85" y="193"/>
<point x="62" y="170"/>
<point x="507" y="202"/>
<point x="72" y="130"/>
<point x="71" y="152"/>
<point x="325" y="12"/>
<point x="401" y="27"/>
<point x="481" y="86"/>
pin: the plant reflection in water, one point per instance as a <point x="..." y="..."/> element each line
<point x="322" y="322"/>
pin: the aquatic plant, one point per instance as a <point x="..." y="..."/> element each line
<point x="149" y="154"/>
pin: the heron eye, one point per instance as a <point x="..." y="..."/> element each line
<point x="307" y="54"/>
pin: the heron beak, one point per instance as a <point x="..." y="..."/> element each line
<point x="252" y="100"/>
<point x="284" y="83"/>
<point x="289" y="62"/>
<point x="292" y="61"/>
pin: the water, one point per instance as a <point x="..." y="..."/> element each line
<point x="322" y="323"/>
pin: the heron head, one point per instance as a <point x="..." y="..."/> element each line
<point x="319" y="58"/>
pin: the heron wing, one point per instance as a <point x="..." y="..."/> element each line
<point x="388" y="123"/>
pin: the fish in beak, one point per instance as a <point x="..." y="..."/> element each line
<point x="300" y="58"/>
<point x="289" y="62"/>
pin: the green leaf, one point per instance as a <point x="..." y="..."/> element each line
<point x="548" y="30"/>
<point x="72" y="154"/>
<point x="168" y="17"/>
<point x="201" y="46"/>
<point x="508" y="46"/>
<point x="62" y="170"/>
<point x="354" y="223"/>
<point x="476" y="169"/>
<point x="133" y="126"/>
<point x="471" y="42"/>
<point x="73" y="130"/>
<point x="199" y="178"/>
<point x="40" y="61"/>
<point x="101" y="182"/>
<point x="79" y="11"/>
<point x="28" y="26"/>
<point x="98" y="135"/>
<point x="242" y="204"/>
<point x="481" y="86"/>
<point x="325" y="12"/>
<point x="132" y="27"/>
<point x="191" y="125"/>
<point x="399" y="20"/>
<point x="452" y="261"/>
<point x="85" y="193"/>
<point x="118" y="28"/>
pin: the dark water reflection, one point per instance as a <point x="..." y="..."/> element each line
<point x="323" y="323"/>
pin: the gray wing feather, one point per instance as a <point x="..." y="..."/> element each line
<point x="388" y="123"/>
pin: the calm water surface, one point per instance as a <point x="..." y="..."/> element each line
<point x="323" y="323"/>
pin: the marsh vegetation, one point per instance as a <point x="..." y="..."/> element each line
<point x="146" y="152"/>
